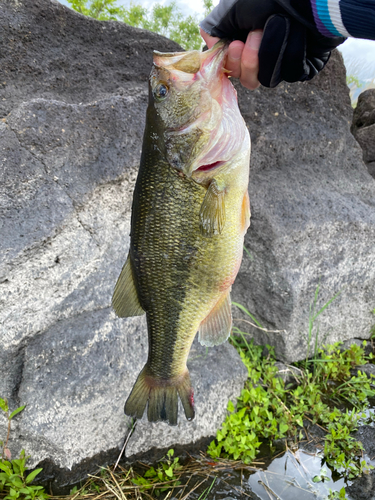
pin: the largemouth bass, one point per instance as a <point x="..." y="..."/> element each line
<point x="189" y="217"/>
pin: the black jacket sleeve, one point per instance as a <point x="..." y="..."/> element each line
<point x="292" y="48"/>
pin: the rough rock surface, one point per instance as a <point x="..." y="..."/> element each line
<point x="72" y="102"/>
<point x="73" y="98"/>
<point x="363" y="488"/>
<point x="313" y="216"/>
<point x="363" y="127"/>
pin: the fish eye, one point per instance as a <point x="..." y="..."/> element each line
<point x="161" y="91"/>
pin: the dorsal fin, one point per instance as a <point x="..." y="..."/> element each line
<point x="125" y="300"/>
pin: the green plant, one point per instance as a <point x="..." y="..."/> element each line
<point x="267" y="410"/>
<point x="13" y="478"/>
<point x="167" y="20"/>
<point x="322" y="476"/>
<point x="206" y="492"/>
<point x="163" y="477"/>
<point x="103" y="10"/>
<point x="313" y="316"/>
<point x="260" y="414"/>
<point x="353" y="80"/>
<point x="9" y="416"/>
<point x="337" y="495"/>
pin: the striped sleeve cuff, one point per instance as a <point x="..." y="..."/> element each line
<point x="355" y="18"/>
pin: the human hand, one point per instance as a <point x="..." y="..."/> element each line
<point x="291" y="47"/>
<point x="242" y="58"/>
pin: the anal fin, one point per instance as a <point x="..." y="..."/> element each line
<point x="216" y="327"/>
<point x="125" y="300"/>
<point x="212" y="212"/>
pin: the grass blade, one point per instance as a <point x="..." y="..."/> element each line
<point x="243" y="309"/>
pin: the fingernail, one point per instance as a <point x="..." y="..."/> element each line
<point x="254" y="39"/>
<point x="235" y="53"/>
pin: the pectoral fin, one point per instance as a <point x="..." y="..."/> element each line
<point x="216" y="327"/>
<point x="125" y="300"/>
<point x="212" y="212"/>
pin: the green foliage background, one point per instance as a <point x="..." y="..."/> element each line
<point x="167" y="20"/>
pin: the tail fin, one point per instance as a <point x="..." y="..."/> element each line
<point x="161" y="395"/>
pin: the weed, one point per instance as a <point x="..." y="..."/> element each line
<point x="248" y="253"/>
<point x="206" y="492"/>
<point x="337" y="495"/>
<point x="322" y="476"/>
<point x="267" y="410"/>
<point x="9" y="416"/>
<point x="313" y="316"/>
<point x="163" y="477"/>
<point x="122" y="483"/>
<point x="13" y="478"/>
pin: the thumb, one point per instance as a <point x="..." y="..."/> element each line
<point x="210" y="40"/>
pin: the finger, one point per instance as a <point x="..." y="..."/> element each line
<point x="210" y="40"/>
<point x="250" y="61"/>
<point x="233" y="63"/>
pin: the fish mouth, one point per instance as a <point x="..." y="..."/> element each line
<point x="193" y="60"/>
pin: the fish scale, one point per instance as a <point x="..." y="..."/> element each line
<point x="159" y="278"/>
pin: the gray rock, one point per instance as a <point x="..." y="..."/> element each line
<point x="371" y="168"/>
<point x="313" y="217"/>
<point x="366" y="434"/>
<point x="366" y="138"/>
<point x="368" y="369"/>
<point x="364" y="488"/>
<point x="363" y="127"/>
<point x="49" y="51"/>
<point x="73" y="98"/>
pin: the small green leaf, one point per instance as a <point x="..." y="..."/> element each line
<point x="4" y="405"/>
<point x="230" y="407"/>
<point x="4" y="467"/>
<point x="169" y="472"/>
<point x="150" y="473"/>
<point x="33" y="475"/>
<point x="16" y="481"/>
<point x="18" y="410"/>
<point x="25" y="491"/>
<point x="283" y="428"/>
